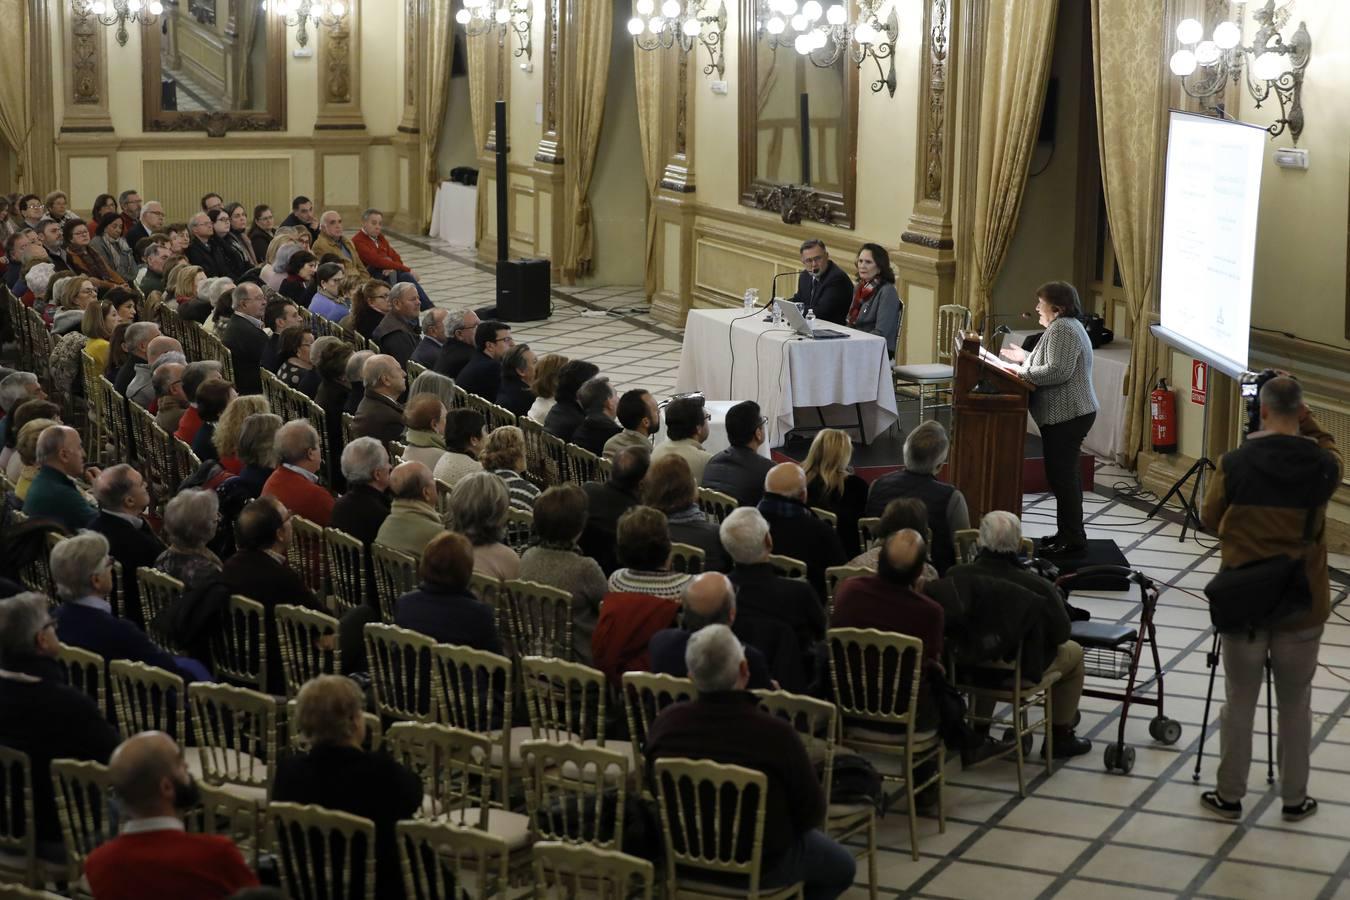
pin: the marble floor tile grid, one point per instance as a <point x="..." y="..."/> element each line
<point x="1080" y="832"/>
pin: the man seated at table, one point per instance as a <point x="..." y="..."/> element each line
<point x="739" y="470"/>
<point x="823" y="286"/>
<point x="686" y="430"/>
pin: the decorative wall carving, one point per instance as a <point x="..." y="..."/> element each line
<point x="337" y="83"/>
<point x="927" y="240"/>
<point x="793" y="203"/>
<point x="939" y="38"/>
<point x="681" y="103"/>
<point x="85" y="34"/>
<point x="550" y="148"/>
<point x="410" y="56"/>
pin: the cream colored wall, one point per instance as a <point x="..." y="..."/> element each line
<point x="619" y="186"/>
<point x="1042" y="247"/>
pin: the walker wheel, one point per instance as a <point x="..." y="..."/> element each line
<point x="1164" y="730"/>
<point x="1119" y="757"/>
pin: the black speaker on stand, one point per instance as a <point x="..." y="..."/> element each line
<point x="522" y="284"/>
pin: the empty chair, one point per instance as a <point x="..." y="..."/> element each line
<point x="236" y="731"/>
<point x="308" y="642"/>
<point x="322" y="854"/>
<point x="564" y="870"/>
<point x="401" y="672"/>
<point x="576" y="793"/>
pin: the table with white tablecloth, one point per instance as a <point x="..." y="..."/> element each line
<point x="731" y="355"/>
<point x="1110" y="365"/>
<point x="453" y="213"/>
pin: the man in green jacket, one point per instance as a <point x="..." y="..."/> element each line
<point x="53" y="493"/>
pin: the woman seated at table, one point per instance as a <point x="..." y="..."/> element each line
<point x="876" y="304"/>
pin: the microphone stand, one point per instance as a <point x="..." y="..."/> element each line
<point x="773" y="285"/>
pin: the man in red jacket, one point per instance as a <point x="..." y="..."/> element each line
<point x="296" y="480"/>
<point x="380" y="257"/>
<point x="154" y="856"/>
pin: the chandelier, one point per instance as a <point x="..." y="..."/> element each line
<point x="119" y="13"/>
<point x="682" y="24"/>
<point x="825" y="35"/>
<point x="300" y="14"/>
<point x="1269" y="65"/>
<point x="481" y="17"/>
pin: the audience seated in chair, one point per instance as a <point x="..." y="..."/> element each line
<point x="380" y="414"/>
<point x="504" y="456"/>
<point x="171" y="404"/>
<point x="557" y="561"/>
<point x="482" y="375"/>
<point x="643" y="598"/>
<point x="141" y="388"/>
<point x="686" y="430"/>
<point x="925" y="454"/>
<point x="518" y="368"/>
<point x="566" y="414"/>
<point x="54" y="493"/>
<point x="739" y="471"/>
<point x="608" y="501"/>
<point x="190" y="523"/>
<point x="432" y="323"/>
<point x="245" y="338"/>
<point x="796" y="530"/>
<point x="478" y="506"/>
<point x="40" y="714"/>
<point x="458" y="349"/>
<point x="122" y="501"/>
<point x="724" y="724"/>
<point x="153" y="855"/>
<point x="363" y="508"/>
<point x="413" y="518"/>
<point x="398" y="333"/>
<point x="640" y="419"/>
<point x="832" y="486"/>
<point x="197" y="373"/>
<point x="709" y="599"/>
<point x="380" y="258"/>
<point x="331" y="240"/>
<point x="278" y="315"/>
<point x="599" y="401"/>
<point x="670" y="488"/>
<point x="442" y="606"/>
<point x="137" y="340"/>
<point x="465" y="433"/>
<point x="213" y="398"/>
<point x="424" y="415"/>
<point x="295" y="483"/>
<point x="338" y="774"/>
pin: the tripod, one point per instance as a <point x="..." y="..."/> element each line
<point x="1192" y="514"/>
<point x="1212" y="661"/>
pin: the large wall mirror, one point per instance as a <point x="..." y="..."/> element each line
<point x="215" y="66"/>
<point x="773" y="77"/>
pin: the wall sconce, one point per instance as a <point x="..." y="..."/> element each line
<point x="1271" y="64"/>
<point x="119" y="13"/>
<point x="300" y="14"/>
<point x="502" y="16"/>
<point x="824" y="35"/>
<point x="682" y="24"/>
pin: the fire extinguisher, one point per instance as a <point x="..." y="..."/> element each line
<point x="1163" y="404"/>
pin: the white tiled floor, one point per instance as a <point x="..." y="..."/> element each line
<point x="1080" y="833"/>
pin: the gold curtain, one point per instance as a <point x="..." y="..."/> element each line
<point x="1020" y="41"/>
<point x="14" y="78"/>
<point x="583" y="113"/>
<point x="480" y="116"/>
<point x="437" y="49"/>
<point x="1128" y="60"/>
<point x="649" y="68"/>
<point x="247" y="25"/>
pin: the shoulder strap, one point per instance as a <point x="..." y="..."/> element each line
<point x="1308" y="524"/>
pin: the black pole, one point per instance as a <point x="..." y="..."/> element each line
<point x="503" y="232"/>
<point x="806" y="139"/>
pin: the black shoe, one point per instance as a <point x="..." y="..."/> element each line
<point x="1069" y="745"/>
<point x="987" y="749"/>
<point x="1299" y="811"/>
<point x="1065" y="550"/>
<point x="1211" y="801"/>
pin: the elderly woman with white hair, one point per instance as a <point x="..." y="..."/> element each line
<point x="190" y="523"/>
<point x="478" y="508"/>
<point x="82" y="571"/>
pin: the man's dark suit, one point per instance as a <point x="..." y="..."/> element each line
<point x="360" y="512"/>
<point x="830" y="295"/>
<point x="594" y="430"/>
<point x="454" y="356"/>
<point x="271" y="358"/>
<point x="133" y="547"/>
<point x="482" y="376"/>
<point x="799" y="534"/>
<point x="379" y="417"/>
<point x="607" y="503"/>
<point x="397" y="337"/>
<point x="738" y="472"/>
<point x="210" y="256"/>
<point x="761" y="593"/>
<point x="428" y="350"/>
<point x="247" y="343"/>
<point x="257" y="576"/>
<point x="126" y="373"/>
<point x="515" y="394"/>
<point x="135" y="234"/>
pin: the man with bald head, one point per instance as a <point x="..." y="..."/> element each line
<point x="413" y="517"/>
<point x="709" y="599"/>
<point x="380" y="414"/>
<point x="891" y="601"/>
<point x="171" y="402"/>
<point x="332" y="240"/>
<point x="203" y="251"/>
<point x="296" y="479"/>
<point x="154" y="855"/>
<point x="150" y="220"/>
<point x="795" y="529"/>
<point x="141" y="388"/>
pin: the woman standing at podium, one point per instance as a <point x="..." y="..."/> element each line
<point x="1063" y="405"/>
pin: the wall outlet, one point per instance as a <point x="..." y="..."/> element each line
<point x="719" y="88"/>
<point x="302" y="52"/>
<point x="1291" y="158"/>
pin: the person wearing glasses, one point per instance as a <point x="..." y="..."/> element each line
<point x="739" y="470"/>
<point x="460" y="330"/>
<point x="823" y="286"/>
<point x="31" y="210"/>
<point x="483" y="374"/>
<point x="40" y="714"/>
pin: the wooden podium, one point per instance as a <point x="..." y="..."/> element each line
<point x="989" y="432"/>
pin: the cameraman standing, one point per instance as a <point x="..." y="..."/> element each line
<point x="1268" y="498"/>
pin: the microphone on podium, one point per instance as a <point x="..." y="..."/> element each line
<point x="773" y="286"/>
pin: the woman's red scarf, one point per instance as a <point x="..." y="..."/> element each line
<point x="860" y="295"/>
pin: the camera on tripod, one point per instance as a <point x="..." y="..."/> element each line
<point x="1251" y="384"/>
